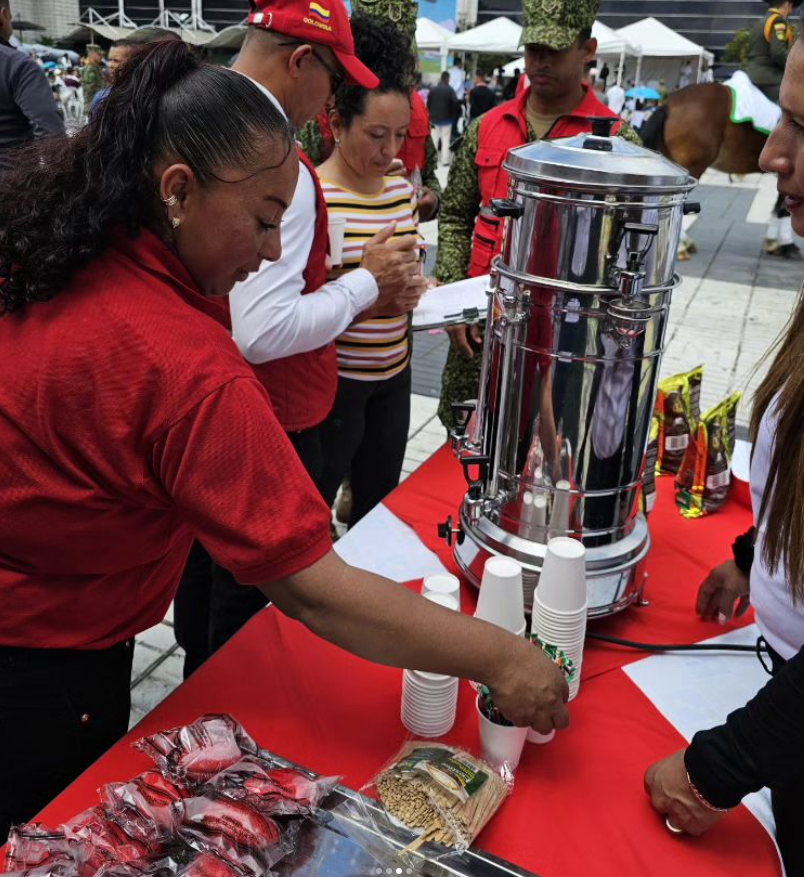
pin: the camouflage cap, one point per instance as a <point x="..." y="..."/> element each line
<point x="556" y="23"/>
<point x="401" y="12"/>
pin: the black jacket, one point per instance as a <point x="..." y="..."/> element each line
<point x="481" y="100"/>
<point x="27" y="106"/>
<point x="442" y="105"/>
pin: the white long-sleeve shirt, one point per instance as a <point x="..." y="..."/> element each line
<point x="271" y="319"/>
<point x="780" y="620"/>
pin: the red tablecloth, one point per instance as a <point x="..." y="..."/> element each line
<point x="578" y="808"/>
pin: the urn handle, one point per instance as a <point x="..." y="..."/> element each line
<point x="506" y="207"/>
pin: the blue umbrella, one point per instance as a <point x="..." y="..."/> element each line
<point x="643" y="93"/>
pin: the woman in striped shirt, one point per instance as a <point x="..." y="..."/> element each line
<point x="366" y="432"/>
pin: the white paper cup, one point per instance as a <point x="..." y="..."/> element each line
<point x="427" y="729"/>
<point x="501" y="601"/>
<point x="500" y="744"/>
<point x="337" y="230"/>
<point x="562" y="583"/>
<point x="442" y="583"/>
<point x="448" y="601"/>
<point x="560" y="511"/>
<point x="535" y="737"/>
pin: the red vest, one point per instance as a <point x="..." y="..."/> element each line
<point x="302" y="387"/>
<point x="502" y="129"/>
<point x="412" y="152"/>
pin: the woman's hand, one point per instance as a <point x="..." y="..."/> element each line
<point x="460" y="337"/>
<point x="723" y="587"/>
<point x="670" y="794"/>
<point x="529" y="689"/>
<point x="381" y="621"/>
<point x="402" y="300"/>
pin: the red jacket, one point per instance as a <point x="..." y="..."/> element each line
<point x="502" y="129"/>
<point x="302" y="387"/>
<point x="412" y="152"/>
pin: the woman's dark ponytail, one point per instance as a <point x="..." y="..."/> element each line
<point x="66" y="196"/>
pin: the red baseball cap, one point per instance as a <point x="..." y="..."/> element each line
<point x="315" y="21"/>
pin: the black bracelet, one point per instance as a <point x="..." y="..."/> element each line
<point x="743" y="550"/>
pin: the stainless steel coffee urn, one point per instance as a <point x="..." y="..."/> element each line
<point x="578" y="305"/>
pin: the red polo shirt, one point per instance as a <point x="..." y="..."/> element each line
<point x="129" y="423"/>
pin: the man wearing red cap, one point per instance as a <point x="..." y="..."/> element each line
<point x="285" y="316"/>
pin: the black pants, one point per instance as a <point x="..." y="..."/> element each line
<point x="788" y="806"/>
<point x="210" y="605"/>
<point x="60" y="710"/>
<point x="365" y="437"/>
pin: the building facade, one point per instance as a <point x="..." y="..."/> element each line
<point x="709" y="23"/>
<point x="218" y="13"/>
<point x="55" y="16"/>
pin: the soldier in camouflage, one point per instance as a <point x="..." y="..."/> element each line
<point x="92" y="80"/>
<point x="316" y="139"/>
<point x="558" y="46"/>
<point x="769" y="42"/>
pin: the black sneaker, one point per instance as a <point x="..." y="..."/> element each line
<point x="788" y="251"/>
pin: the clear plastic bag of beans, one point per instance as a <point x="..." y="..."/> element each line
<point x="430" y="801"/>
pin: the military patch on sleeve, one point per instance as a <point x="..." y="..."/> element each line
<point x="781" y="31"/>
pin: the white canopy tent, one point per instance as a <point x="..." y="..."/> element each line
<point x="611" y="44"/>
<point x="500" y="36"/>
<point x="431" y="37"/>
<point x="663" y="51"/>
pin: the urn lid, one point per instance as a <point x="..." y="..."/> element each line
<point x="597" y="161"/>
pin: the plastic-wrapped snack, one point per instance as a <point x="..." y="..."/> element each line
<point x="34" y="846"/>
<point x="101" y="840"/>
<point x="704" y="479"/>
<point x="678" y="410"/>
<point x="441" y="793"/>
<point x="649" y="470"/>
<point x="246" y="840"/>
<point x="274" y="791"/>
<point x="146" y="801"/>
<point x="207" y="865"/>
<point x="194" y="753"/>
<point x="165" y="865"/>
<point x="51" y="869"/>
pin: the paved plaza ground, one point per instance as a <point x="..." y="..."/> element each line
<point x="733" y="304"/>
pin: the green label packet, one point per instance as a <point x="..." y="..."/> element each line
<point x="455" y="775"/>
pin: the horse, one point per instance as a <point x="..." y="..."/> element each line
<point x="693" y="128"/>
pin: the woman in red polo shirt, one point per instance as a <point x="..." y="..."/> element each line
<point x="129" y="424"/>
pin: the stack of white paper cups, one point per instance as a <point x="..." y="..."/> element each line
<point x="559" y="603"/>
<point x="444" y="584"/>
<point x="501" y="600"/>
<point x="429" y="700"/>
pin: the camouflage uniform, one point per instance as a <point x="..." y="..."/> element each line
<point x="91" y="82"/>
<point x="769" y="42"/>
<point x="402" y="12"/>
<point x="559" y="22"/>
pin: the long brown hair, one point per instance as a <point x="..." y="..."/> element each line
<point x="782" y="508"/>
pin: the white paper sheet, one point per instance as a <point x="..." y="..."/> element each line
<point x="381" y="543"/>
<point x="440" y="304"/>
<point x="697" y="690"/>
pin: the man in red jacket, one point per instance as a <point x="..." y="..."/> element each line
<point x="557" y="36"/>
<point x="285" y="316"/>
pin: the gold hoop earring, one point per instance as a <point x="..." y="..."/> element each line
<point x="171" y="202"/>
<point x="175" y="222"/>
